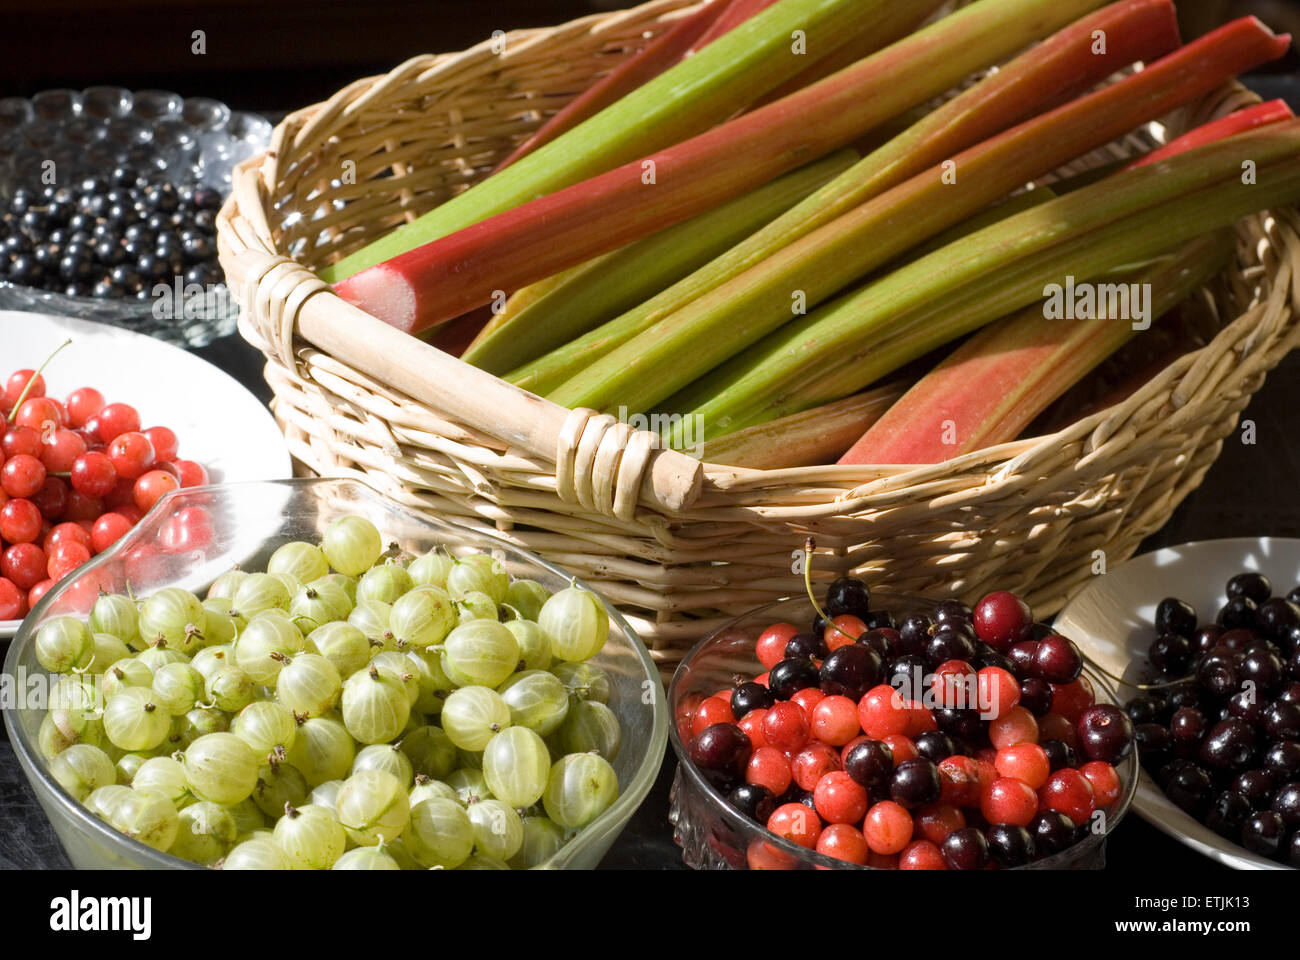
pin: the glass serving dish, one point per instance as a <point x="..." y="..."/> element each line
<point x="191" y="141"/>
<point x="714" y="835"/>
<point x="250" y="520"/>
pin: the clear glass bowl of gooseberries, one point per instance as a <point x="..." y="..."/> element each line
<point x="318" y="679"/>
<point x="873" y="731"/>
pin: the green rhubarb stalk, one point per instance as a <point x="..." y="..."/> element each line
<point x="589" y="294"/>
<point x="1141" y="29"/>
<point x="805" y="439"/>
<point x="688" y="98"/>
<point x="704" y="334"/>
<point x="993" y="386"/>
<point x="1002" y="268"/>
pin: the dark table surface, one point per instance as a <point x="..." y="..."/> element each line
<point x="1251" y="491"/>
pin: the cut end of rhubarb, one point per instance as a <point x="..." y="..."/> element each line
<point x="384" y="293"/>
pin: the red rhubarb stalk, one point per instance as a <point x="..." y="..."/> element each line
<point x="1260" y="115"/>
<point x="736" y="13"/>
<point x="994" y="385"/>
<point x="638" y="70"/>
<point x="450" y="276"/>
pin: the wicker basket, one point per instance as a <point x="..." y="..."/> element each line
<point x="680" y="547"/>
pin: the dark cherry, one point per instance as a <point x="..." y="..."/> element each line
<point x="1290" y="693"/>
<point x="1058" y="660"/>
<point x="1262" y="668"/>
<point x="1189" y="787"/>
<point x="1036" y="696"/>
<point x="1294" y="595"/>
<point x="1059" y="754"/>
<point x="1002" y="619"/>
<point x="1277" y="615"/>
<point x="934" y="745"/>
<point x="1171" y="654"/>
<point x="949" y="644"/>
<point x="753" y="801"/>
<point x="1052" y="832"/>
<point x="1143" y="708"/>
<point x="1228" y="812"/>
<point x="1105" y="733"/>
<point x="906" y="673"/>
<point x="951" y="610"/>
<point x="1237" y="612"/>
<point x="1286" y="804"/>
<point x="1250" y="584"/>
<point x="750" y="696"/>
<point x="965" y="849"/>
<point x="1263" y="833"/>
<point x="1009" y="845"/>
<point x="870" y="763"/>
<point x="884" y="641"/>
<point x="850" y="671"/>
<point x="1282" y="720"/>
<point x="961" y="724"/>
<point x="914" y="634"/>
<point x="877" y="619"/>
<point x="1175" y="616"/>
<point x="848" y="595"/>
<point x="1283" y="760"/>
<point x="1245" y="705"/>
<point x="1207" y="638"/>
<point x="790" y="676"/>
<point x="1187" y="728"/>
<point x="1022" y="654"/>
<point x="1229" y="745"/>
<point x="1184" y="695"/>
<point x="915" y="783"/>
<point x="1218" y="674"/>
<point x="1290" y="852"/>
<point x="721" y="751"/>
<point x="991" y="658"/>
<point x="1155" y="745"/>
<point x="805" y="646"/>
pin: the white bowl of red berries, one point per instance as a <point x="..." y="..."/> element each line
<point x="1206" y="637"/>
<point x="878" y="731"/>
<point x="91" y="440"/>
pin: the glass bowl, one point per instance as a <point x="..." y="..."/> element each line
<point x="192" y="141"/>
<point x="250" y="520"/>
<point x="714" y="835"/>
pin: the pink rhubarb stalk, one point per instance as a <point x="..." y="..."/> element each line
<point x="1260" y="115"/>
<point x="736" y="13"/>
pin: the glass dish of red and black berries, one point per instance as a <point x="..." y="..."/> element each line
<point x="1219" y="730"/>
<point x="897" y="734"/>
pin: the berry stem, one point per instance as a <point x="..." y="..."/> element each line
<point x="28" y="389"/>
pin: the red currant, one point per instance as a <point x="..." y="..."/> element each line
<point x="13" y="601"/>
<point x="921" y="855"/>
<point x="195" y="475"/>
<point x="93" y="475"/>
<point x="839" y="799"/>
<point x="813" y="762"/>
<point x="1070" y="792"/>
<point x="84" y="404"/>
<point x="786" y="726"/>
<point x="65" y="557"/>
<point x="116" y="419"/>
<point x="751" y="723"/>
<point x="712" y="710"/>
<point x="901" y="747"/>
<point x="1017" y="725"/>
<point x="20" y="521"/>
<point x="843" y="842"/>
<point x="61" y="451"/>
<point x="1071" y="699"/>
<point x="769" y="768"/>
<point x="835" y="721"/>
<point x="152" y="487"/>
<point x="796" y="823"/>
<point x="81" y="507"/>
<point x="761" y="855"/>
<point x="843" y="630"/>
<point x="953" y="684"/>
<point x="887" y="827"/>
<point x="42" y="414"/>
<point x="1024" y="761"/>
<point x="132" y="454"/>
<point x="35" y="593"/>
<point x="1105" y="782"/>
<point x="938" y="820"/>
<point x="807" y="699"/>
<point x="22" y="440"/>
<point x="22" y="476"/>
<point x="17" y="383"/>
<point x="1008" y="800"/>
<point x="164" y="442"/>
<point x="52" y="498"/>
<point x="961" y="781"/>
<point x="770" y="647"/>
<point x="63" y="532"/>
<point x="24" y="564"/>
<point x="881" y="712"/>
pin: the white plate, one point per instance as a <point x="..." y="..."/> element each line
<point x="220" y="424"/>
<point x="1113" y="620"/>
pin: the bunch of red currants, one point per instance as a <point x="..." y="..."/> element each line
<point x="74" y="477"/>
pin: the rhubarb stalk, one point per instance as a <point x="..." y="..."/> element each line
<point x="607" y="286"/>
<point x="1260" y="115"/>
<point x="636" y="71"/>
<point x="448" y="276"/>
<point x="1138" y="29"/>
<point x="736" y="13"/>
<point x="683" y="347"/>
<point x="998" y="381"/>
<point x="863" y="335"/>
<point x="688" y="98"/>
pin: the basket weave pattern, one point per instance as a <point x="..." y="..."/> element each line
<point x="1027" y="516"/>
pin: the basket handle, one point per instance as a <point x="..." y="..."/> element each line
<point x="600" y="463"/>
